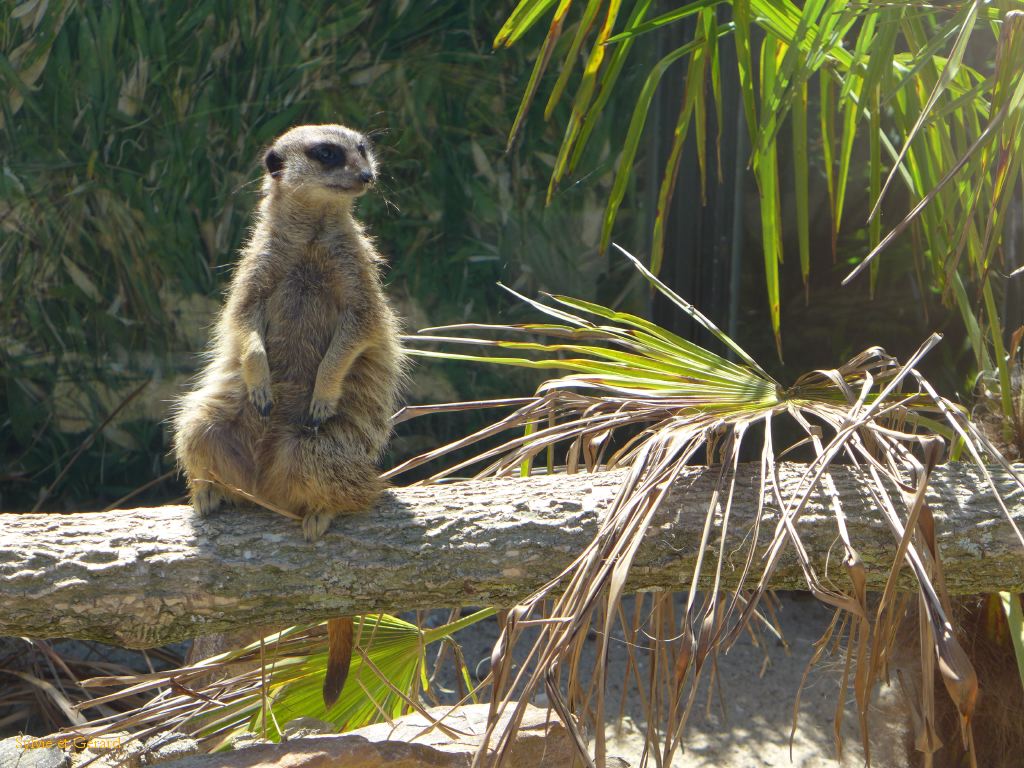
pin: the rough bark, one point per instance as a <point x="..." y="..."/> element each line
<point x="144" y="577"/>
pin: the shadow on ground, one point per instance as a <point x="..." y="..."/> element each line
<point x="748" y="721"/>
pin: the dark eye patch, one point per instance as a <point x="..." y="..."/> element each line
<point x="362" y="149"/>
<point x="274" y="163"/>
<point x="330" y="155"/>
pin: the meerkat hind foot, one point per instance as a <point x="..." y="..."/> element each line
<point x="315" y="524"/>
<point x="207" y="498"/>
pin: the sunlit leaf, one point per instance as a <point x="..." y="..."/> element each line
<point x="680" y="402"/>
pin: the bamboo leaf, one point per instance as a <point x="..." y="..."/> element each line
<point x="664" y="20"/>
<point x="693" y="100"/>
<point x="519" y="22"/>
<point x="633" y="134"/>
<point x="767" y="174"/>
<point x="826" y="112"/>
<point x="744" y="64"/>
<point x="801" y="175"/>
<point x="849" y="97"/>
<point x="874" y="176"/>
<point x="583" y="96"/>
<point x="539" y="67"/>
<point x="606" y="84"/>
<point x="589" y="14"/>
<point x="949" y="71"/>
<point x="982" y="140"/>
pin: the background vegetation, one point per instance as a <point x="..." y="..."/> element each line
<point x="130" y="145"/>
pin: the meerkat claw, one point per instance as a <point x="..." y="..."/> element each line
<point x="319" y="412"/>
<point x="262" y="400"/>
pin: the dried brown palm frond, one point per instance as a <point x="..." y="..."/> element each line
<point x="39" y="681"/>
<point x="639" y="397"/>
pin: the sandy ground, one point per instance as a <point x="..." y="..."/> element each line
<point x="748" y="725"/>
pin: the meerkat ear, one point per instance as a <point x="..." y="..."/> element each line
<point x="274" y="163"/>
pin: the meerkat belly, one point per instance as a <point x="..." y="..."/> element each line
<point x="302" y="316"/>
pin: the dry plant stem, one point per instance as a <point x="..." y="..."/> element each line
<point x="86" y="443"/>
<point x="141" y="489"/>
<point x="165" y="574"/>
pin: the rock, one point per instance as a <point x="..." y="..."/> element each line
<point x="32" y="752"/>
<point x="302" y="727"/>
<point x="247" y="740"/>
<point x="408" y="742"/>
<point x="170" y="746"/>
<point x="113" y="750"/>
<point x="541" y="741"/>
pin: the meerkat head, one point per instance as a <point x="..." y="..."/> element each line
<point x="324" y="161"/>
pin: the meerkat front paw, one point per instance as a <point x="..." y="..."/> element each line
<point x="315" y="524"/>
<point x="320" y="410"/>
<point x="262" y="399"/>
<point x="206" y="498"/>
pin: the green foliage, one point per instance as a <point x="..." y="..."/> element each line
<point x="942" y="117"/>
<point x="131" y="145"/>
<point x="1015" y="624"/>
<point x="282" y="679"/>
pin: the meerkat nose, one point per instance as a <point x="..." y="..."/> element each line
<point x="366" y="177"/>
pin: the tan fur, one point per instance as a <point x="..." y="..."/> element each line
<point x="306" y="337"/>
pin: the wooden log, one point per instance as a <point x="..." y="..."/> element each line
<point x="145" y="577"/>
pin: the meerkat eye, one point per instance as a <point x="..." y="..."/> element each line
<point x="362" y="149"/>
<point x="328" y="154"/>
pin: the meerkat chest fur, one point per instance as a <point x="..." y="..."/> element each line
<point x="325" y="280"/>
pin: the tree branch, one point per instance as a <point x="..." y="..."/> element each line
<point x="145" y="577"/>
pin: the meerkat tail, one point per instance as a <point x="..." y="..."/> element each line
<point x="339" y="658"/>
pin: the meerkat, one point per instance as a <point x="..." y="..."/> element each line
<point x="294" y="405"/>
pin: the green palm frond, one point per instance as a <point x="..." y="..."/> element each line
<point x="637" y="397"/>
<point x="281" y="679"/>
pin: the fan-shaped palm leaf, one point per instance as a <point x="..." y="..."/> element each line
<point x="672" y="403"/>
<point x="281" y="678"/>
